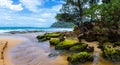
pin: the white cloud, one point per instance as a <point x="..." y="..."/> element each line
<point x="42" y="20"/>
<point x="39" y="17"/>
<point x="32" y="5"/>
<point x="8" y="4"/>
<point x="57" y="8"/>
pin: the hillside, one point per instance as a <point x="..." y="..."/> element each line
<point x="62" y="25"/>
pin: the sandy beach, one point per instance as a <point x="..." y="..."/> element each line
<point x="24" y="49"/>
<point x="11" y="43"/>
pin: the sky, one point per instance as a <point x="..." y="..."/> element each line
<point x="28" y="13"/>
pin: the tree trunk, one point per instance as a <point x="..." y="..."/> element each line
<point x="81" y="24"/>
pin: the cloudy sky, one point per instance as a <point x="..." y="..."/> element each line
<point x="33" y="13"/>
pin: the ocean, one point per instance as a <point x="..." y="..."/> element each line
<point x="8" y="29"/>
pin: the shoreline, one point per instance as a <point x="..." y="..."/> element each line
<point x="26" y="46"/>
<point x="11" y="43"/>
<point x="42" y="50"/>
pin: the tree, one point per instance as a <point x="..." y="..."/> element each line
<point x="110" y="12"/>
<point x="93" y="6"/>
<point x="107" y="12"/>
<point x="105" y="1"/>
<point x="72" y="11"/>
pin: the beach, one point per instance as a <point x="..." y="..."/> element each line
<point x="24" y="49"/>
<point x="11" y="43"/>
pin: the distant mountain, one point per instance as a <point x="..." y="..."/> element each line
<point x="62" y="25"/>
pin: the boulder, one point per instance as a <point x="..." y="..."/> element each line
<point x="47" y="36"/>
<point x="81" y="57"/>
<point x="66" y="44"/>
<point x="111" y="54"/>
<point x="79" y="47"/>
<point x="54" y="41"/>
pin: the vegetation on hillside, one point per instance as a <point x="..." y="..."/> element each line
<point x="62" y="25"/>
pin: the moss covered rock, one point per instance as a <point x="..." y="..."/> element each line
<point x="47" y="36"/>
<point x="66" y="44"/>
<point x="106" y="45"/>
<point x="116" y="44"/>
<point x="90" y="49"/>
<point x="111" y="54"/>
<point x="79" y="47"/>
<point x="54" y="41"/>
<point x="80" y="58"/>
<point x="52" y="35"/>
<point x="102" y="39"/>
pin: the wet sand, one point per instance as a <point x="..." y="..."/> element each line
<point x="11" y="43"/>
<point x="33" y="54"/>
<point x="26" y="50"/>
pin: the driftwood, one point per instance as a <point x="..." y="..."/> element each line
<point x="3" y="45"/>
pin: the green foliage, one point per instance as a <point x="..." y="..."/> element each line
<point x="65" y="17"/>
<point x="106" y="12"/>
<point x="92" y="12"/>
<point x="54" y="41"/>
<point x="80" y="58"/>
<point x="66" y="44"/>
<point x="61" y="24"/>
<point x="72" y="10"/>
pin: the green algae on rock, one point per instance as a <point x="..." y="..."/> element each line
<point x="66" y="44"/>
<point x="81" y="57"/>
<point x="105" y="45"/>
<point x="54" y="34"/>
<point x="54" y="41"/>
<point x="79" y="47"/>
<point x="47" y="36"/>
<point x="112" y="54"/>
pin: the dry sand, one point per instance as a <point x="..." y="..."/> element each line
<point x="11" y="43"/>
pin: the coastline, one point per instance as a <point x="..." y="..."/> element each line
<point x="42" y="50"/>
<point x="27" y="46"/>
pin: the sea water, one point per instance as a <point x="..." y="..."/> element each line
<point x="8" y="29"/>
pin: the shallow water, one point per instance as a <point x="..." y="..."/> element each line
<point x="31" y="52"/>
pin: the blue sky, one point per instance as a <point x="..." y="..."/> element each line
<point x="32" y="13"/>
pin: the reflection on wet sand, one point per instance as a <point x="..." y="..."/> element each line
<point x="32" y="54"/>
